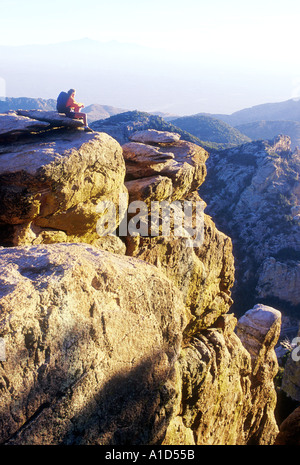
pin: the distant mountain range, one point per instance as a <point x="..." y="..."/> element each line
<point x="260" y="122"/>
<point x="25" y="103"/>
<point x="97" y="112"/>
<point x="288" y="110"/>
<point x="214" y="132"/>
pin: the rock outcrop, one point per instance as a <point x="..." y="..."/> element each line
<point x="22" y="122"/>
<point x="54" y="118"/>
<point x="152" y="136"/>
<point x="130" y="347"/>
<point x="227" y="395"/>
<point x="183" y="163"/>
<point x="91" y="341"/>
<point x="11" y="125"/>
<point x="203" y="273"/>
<point x="52" y="182"/>
<point x="95" y="356"/>
<point x="259" y="331"/>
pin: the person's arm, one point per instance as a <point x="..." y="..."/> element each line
<point x="71" y="103"/>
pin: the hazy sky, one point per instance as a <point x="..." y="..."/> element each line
<point x="256" y="27"/>
<point x="257" y="37"/>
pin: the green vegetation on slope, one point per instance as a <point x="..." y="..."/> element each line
<point x="212" y="130"/>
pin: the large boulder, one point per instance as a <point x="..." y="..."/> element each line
<point x="152" y="136"/>
<point x="52" y="184"/>
<point x="92" y="340"/>
<point x="259" y="327"/>
<point x="180" y="161"/>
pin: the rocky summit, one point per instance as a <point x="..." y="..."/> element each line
<point x="124" y="337"/>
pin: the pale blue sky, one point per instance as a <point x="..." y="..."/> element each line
<point x="164" y="23"/>
<point x="253" y="38"/>
<point x="261" y="32"/>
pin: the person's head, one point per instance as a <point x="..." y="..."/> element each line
<point x="71" y="92"/>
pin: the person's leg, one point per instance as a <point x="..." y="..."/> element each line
<point x="78" y="115"/>
<point x="83" y="116"/>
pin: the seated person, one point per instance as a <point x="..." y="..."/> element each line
<point x="72" y="109"/>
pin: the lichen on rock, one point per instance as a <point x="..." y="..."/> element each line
<point x="91" y="342"/>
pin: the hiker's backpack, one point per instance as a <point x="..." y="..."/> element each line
<point x="61" y="102"/>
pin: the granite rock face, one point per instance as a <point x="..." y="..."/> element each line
<point x="96" y="355"/>
<point x="259" y="330"/>
<point x="222" y="399"/>
<point x="227" y="396"/>
<point x="204" y="273"/>
<point x="91" y="341"/>
<point x="132" y="344"/>
<point x="280" y="278"/>
<point x="182" y="162"/>
<point x="51" y="185"/>
<point x="291" y="375"/>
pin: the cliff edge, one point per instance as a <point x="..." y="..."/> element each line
<point x="114" y="331"/>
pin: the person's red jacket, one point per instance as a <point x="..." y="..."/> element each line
<point x="73" y="105"/>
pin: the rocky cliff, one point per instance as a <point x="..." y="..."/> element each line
<point x="253" y="193"/>
<point x="116" y="332"/>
